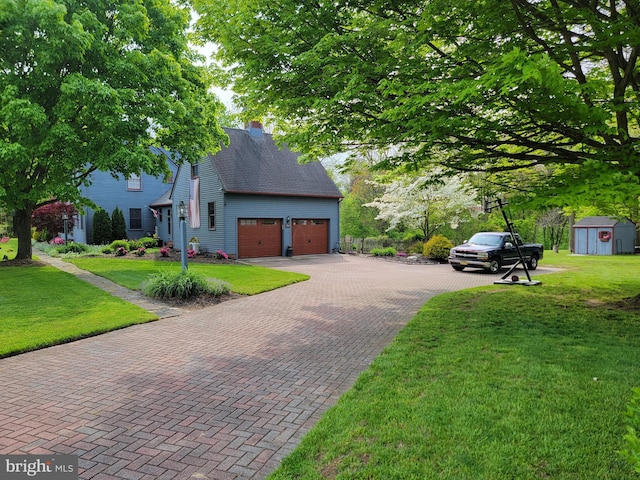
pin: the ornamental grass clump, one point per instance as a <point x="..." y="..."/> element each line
<point x="183" y="285"/>
<point x="383" y="252"/>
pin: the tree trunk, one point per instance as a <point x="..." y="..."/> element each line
<point x="22" y="230"/>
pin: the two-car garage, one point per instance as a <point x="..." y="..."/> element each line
<point x="264" y="237"/>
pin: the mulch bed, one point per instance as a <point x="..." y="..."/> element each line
<point x="410" y="260"/>
<point x="201" y="301"/>
<point x="22" y="263"/>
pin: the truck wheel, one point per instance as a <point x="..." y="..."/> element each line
<point x="494" y="266"/>
<point x="533" y="262"/>
<point x="457" y="268"/>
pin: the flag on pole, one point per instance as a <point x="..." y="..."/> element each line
<point x="194" y="203"/>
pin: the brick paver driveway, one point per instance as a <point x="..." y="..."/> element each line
<point x="222" y="392"/>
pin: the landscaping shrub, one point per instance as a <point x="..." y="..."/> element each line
<point x="183" y="285"/>
<point x="121" y="251"/>
<point x="632" y="415"/>
<point x="118" y="225"/>
<point x="140" y="251"/>
<point x="72" y="248"/>
<point x="107" y="250"/>
<point x="165" y="251"/>
<point x="101" y="228"/>
<point x="49" y="218"/>
<point x="40" y="235"/>
<point x="135" y="244"/>
<point x="116" y="244"/>
<point x="148" y="242"/>
<point x="416" y="247"/>
<point x="437" y="247"/>
<point x="384" y="252"/>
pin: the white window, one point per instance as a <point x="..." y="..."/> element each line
<point x="134" y="182"/>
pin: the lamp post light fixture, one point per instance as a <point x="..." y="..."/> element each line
<point x="182" y="214"/>
<point x="65" y="220"/>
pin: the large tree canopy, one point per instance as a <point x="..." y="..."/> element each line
<point x="90" y="85"/>
<point x="487" y="85"/>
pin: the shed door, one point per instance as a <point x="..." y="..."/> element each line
<point x="259" y="237"/>
<point x="310" y="236"/>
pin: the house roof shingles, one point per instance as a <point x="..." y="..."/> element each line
<point x="255" y="165"/>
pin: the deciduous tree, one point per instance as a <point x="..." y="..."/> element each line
<point x="491" y="85"/>
<point x="88" y="86"/>
<point x="424" y="203"/>
<point x="49" y="218"/>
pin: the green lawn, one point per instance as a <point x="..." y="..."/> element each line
<point x="9" y="249"/>
<point x="244" y="279"/>
<point x="499" y="382"/>
<point x="42" y="306"/>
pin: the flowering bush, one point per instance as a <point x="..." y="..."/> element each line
<point x="191" y="253"/>
<point x="140" y="251"/>
<point x="165" y="251"/>
<point x="221" y="255"/>
<point x="401" y="254"/>
<point x="121" y="252"/>
<point x="57" y="241"/>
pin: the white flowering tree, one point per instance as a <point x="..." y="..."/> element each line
<point x="425" y="201"/>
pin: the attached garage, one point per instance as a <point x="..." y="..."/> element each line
<point x="257" y="200"/>
<point x="259" y="237"/>
<point x="310" y="236"/>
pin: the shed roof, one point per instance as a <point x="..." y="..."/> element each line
<point x="256" y="165"/>
<point x="598" y="221"/>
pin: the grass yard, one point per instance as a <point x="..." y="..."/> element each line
<point x="499" y="382"/>
<point x="244" y="279"/>
<point x="9" y="249"/>
<point x="42" y="306"/>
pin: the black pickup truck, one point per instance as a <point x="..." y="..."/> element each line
<point x="492" y="251"/>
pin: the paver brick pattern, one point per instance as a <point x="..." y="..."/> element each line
<point x="223" y="392"/>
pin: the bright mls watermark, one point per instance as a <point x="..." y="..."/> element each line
<point x="49" y="467"/>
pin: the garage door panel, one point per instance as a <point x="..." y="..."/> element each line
<point x="310" y="236"/>
<point x="259" y="237"/>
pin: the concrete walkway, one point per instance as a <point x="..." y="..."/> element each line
<point x="219" y="393"/>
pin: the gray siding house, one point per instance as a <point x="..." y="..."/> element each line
<point x="133" y="196"/>
<point x="253" y="199"/>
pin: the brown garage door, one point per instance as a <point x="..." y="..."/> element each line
<point x="259" y="237"/>
<point x="310" y="236"/>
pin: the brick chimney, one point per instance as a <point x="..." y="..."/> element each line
<point x="255" y="129"/>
